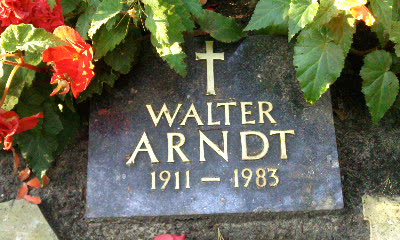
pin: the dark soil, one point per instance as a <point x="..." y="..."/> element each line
<point x="370" y="164"/>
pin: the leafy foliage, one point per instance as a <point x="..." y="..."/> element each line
<point x="326" y="35"/>
<point x="380" y="85"/>
<point x="107" y="34"/>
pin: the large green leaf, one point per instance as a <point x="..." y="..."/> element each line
<point x="380" y="85"/>
<point x="125" y="54"/>
<point x="341" y="31"/>
<point x="70" y="5"/>
<point x="222" y="28"/>
<point x="318" y="60"/>
<point x="194" y="7"/>
<point x="25" y="37"/>
<point x="269" y="13"/>
<point x="104" y="12"/>
<point x="22" y="78"/>
<point x="301" y="13"/>
<point x="167" y="29"/>
<point x="106" y="39"/>
<point x="39" y="145"/>
<point x="327" y="10"/>
<point x="382" y="9"/>
<point x="85" y="19"/>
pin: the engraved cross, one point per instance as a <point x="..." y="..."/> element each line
<point x="210" y="56"/>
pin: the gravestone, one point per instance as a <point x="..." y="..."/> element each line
<point x="234" y="136"/>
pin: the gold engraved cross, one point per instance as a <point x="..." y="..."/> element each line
<point x="210" y="56"/>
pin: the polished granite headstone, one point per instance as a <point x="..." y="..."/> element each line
<point x="274" y="152"/>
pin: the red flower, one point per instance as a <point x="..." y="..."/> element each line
<point x="170" y="237"/>
<point x="15" y="12"/>
<point x="10" y="124"/>
<point x="44" y="17"/>
<point x="36" y="12"/>
<point x="72" y="63"/>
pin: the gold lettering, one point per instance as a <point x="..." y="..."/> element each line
<point x="143" y="140"/>
<point x="227" y="106"/>
<point x="177" y="148"/>
<point x="282" y="135"/>
<point x="273" y="172"/>
<point x="192" y="112"/>
<point x="164" y="111"/>
<point x="266" y="112"/>
<point x="210" y="121"/>
<point x="245" y="113"/>
<point x="205" y="139"/>
<point x="243" y="138"/>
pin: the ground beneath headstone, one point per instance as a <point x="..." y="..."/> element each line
<point x="369" y="159"/>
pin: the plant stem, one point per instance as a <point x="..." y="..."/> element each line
<point x="26" y="65"/>
<point x="8" y="84"/>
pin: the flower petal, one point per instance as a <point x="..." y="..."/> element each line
<point x="28" y="123"/>
<point x="23" y="191"/>
<point x="33" y="199"/>
<point x="24" y="174"/>
<point x="35" y="183"/>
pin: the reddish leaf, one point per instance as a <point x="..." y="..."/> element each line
<point x="33" y="199"/>
<point x="35" y="183"/>
<point x="46" y="180"/>
<point x="24" y="174"/>
<point x="170" y="237"/>
<point x="23" y="191"/>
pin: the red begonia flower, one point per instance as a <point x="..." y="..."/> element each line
<point x="45" y="17"/>
<point x="170" y="237"/>
<point x="72" y="63"/>
<point x="10" y="124"/>
<point x="15" y="12"/>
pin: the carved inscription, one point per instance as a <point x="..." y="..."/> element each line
<point x="179" y="115"/>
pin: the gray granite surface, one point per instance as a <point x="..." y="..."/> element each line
<point x="257" y="69"/>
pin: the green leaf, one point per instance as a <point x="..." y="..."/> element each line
<point x="318" y="60"/>
<point x="106" y="40"/>
<point x="222" y="28"/>
<point x="341" y="31"/>
<point x="397" y="49"/>
<point x="71" y="120"/>
<point x="38" y="149"/>
<point x="194" y="7"/>
<point x="382" y="9"/>
<point x="69" y="5"/>
<point x="25" y="37"/>
<point x="22" y="78"/>
<point x="96" y="86"/>
<point x="85" y="19"/>
<point x="52" y="3"/>
<point x="52" y="124"/>
<point x="125" y="54"/>
<point x="269" y="13"/>
<point x="395" y="32"/>
<point x="380" y="85"/>
<point x="301" y="13"/>
<point x="167" y="33"/>
<point x="104" y="12"/>
<point x="39" y="145"/>
<point x="381" y="33"/>
<point x="327" y="10"/>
